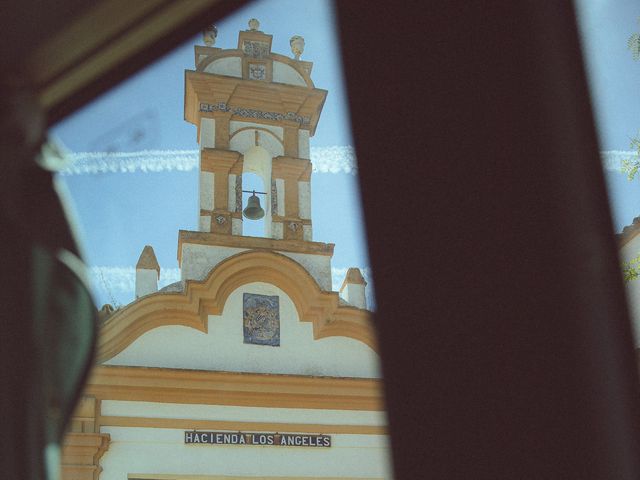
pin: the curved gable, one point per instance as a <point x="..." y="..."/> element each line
<point x="202" y="299"/>
<point x="229" y="63"/>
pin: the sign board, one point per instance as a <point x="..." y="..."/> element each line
<point x="264" y="439"/>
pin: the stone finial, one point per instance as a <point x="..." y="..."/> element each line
<point x="105" y="312"/>
<point x="353" y="288"/>
<point x="147" y="272"/>
<point x="209" y="35"/>
<point x="297" y="46"/>
<point x="254" y="24"/>
<point x="148" y="260"/>
<point x="354" y="275"/>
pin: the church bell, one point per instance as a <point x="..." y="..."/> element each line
<point x="253" y="210"/>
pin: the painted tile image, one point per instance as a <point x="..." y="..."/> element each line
<point x="261" y="319"/>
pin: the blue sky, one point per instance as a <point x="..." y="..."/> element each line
<point x="119" y="212"/>
<point x="614" y="80"/>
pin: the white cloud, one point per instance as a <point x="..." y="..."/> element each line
<point x="129" y="162"/>
<point x="336" y="159"/>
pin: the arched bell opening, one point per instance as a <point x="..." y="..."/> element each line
<point x="253" y="227"/>
<point x="256" y="177"/>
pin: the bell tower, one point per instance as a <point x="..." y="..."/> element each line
<point x="255" y="111"/>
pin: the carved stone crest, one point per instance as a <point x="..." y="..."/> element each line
<point x="261" y="319"/>
<point x="255" y="49"/>
<point x="257" y="71"/>
<point x="220" y="219"/>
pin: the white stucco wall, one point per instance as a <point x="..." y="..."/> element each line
<point x="207" y="133"/>
<point x="125" y="408"/>
<point x="204" y="223"/>
<point x="307" y="233"/>
<point x="236" y="226"/>
<point x="271" y="144"/>
<point x="146" y="282"/>
<point x="231" y="192"/>
<point x="159" y="450"/>
<point x="304" y="199"/>
<point x="236" y="125"/>
<point x="198" y="260"/>
<point x="303" y="144"/>
<point x="283" y="73"/>
<point x="630" y="251"/>
<point x="319" y="266"/>
<point x="242" y="141"/>
<point x="277" y="230"/>
<point x="230" y="66"/>
<point x="280" y="193"/>
<point x="223" y="347"/>
<point x="206" y="186"/>
<point x="246" y="139"/>
<point x="355" y="295"/>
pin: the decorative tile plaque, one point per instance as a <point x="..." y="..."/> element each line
<point x="261" y="319"/>
<point x="255" y="49"/>
<point x="257" y="71"/>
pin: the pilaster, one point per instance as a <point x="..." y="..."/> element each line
<point x="222" y="129"/>
<point x="83" y="444"/>
<point x="81" y="454"/>
<point x="291" y="171"/>
<point x="291" y="141"/>
<point x="225" y="189"/>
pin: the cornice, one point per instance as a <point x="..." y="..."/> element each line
<point x="237" y="93"/>
<point x="253" y="243"/>
<point x="166" y="385"/>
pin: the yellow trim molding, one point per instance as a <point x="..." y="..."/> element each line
<point x="188" y="424"/>
<point x="238" y="241"/>
<point x="192" y="307"/>
<point x="166" y="385"/>
<point x="264" y="96"/>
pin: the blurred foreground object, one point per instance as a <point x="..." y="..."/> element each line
<point x="49" y="325"/>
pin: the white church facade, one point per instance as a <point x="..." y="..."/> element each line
<point x="250" y="366"/>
